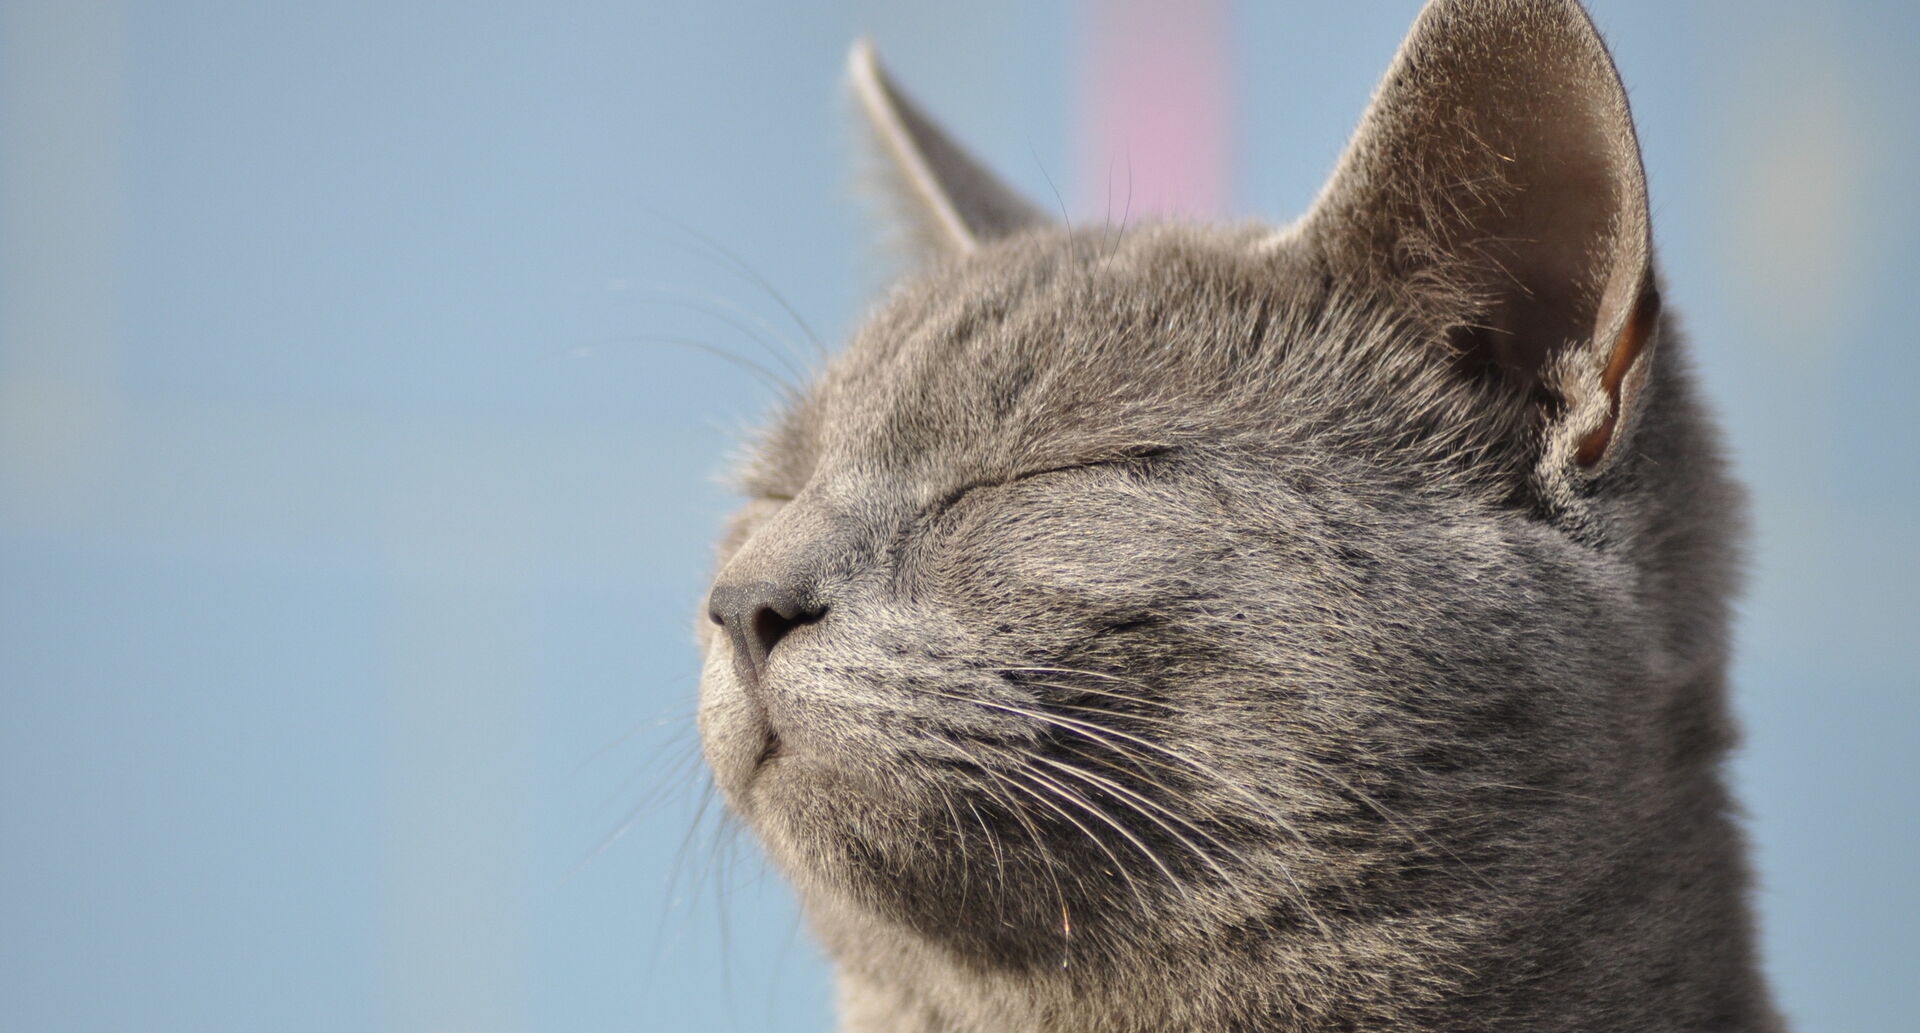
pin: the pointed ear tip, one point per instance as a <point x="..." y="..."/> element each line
<point x="1509" y="8"/>
<point x="863" y="62"/>
<point x="1568" y="16"/>
<point x="1557" y="37"/>
<point x="872" y="91"/>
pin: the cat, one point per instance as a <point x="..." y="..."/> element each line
<point x="1199" y="628"/>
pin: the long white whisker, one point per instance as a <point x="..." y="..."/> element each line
<point x="1047" y="860"/>
<point x="1399" y="824"/>
<point x="1118" y="865"/>
<point x="1093" y="732"/>
<point x="1138" y="803"/>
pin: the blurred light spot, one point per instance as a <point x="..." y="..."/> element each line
<point x="1798" y="192"/>
<point x="1156" y="104"/>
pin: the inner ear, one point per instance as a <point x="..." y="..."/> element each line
<point x="1495" y="184"/>
<point x="1536" y="236"/>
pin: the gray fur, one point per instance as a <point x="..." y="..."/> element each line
<point x="1215" y="629"/>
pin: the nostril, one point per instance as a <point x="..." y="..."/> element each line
<point x="770" y="626"/>
<point x="756" y="616"/>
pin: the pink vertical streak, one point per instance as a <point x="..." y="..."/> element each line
<point x="1155" y="108"/>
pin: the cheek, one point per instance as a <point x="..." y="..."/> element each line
<point x="1063" y="547"/>
<point x="1046" y="582"/>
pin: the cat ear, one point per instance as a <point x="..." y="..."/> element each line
<point x="950" y="200"/>
<point x="1496" y="183"/>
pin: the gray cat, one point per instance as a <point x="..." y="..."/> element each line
<point x="1188" y="628"/>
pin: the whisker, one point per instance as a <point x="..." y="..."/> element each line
<point x="1076" y="822"/>
<point x="1399" y="824"/>
<point x="999" y="859"/>
<point x="1065" y="219"/>
<point x="1218" y="778"/>
<point x="740" y="266"/>
<point x="960" y="841"/>
<point x="756" y="327"/>
<point x="1106" y="675"/>
<point x="1047" y="861"/>
<point x="766" y="376"/>
<point x="1134" y="801"/>
<point x="1126" y="212"/>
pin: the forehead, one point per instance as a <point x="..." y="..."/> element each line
<point x="1056" y="347"/>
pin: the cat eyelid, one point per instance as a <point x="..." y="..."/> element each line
<point x="1130" y="455"/>
<point x="1117" y="458"/>
<point x="1121" y="459"/>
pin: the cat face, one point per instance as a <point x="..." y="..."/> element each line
<point x="1126" y="590"/>
<point x="1096" y="609"/>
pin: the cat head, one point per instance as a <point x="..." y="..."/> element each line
<point x="1246" y="589"/>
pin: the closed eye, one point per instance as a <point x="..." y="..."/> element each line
<point x="1129" y="457"/>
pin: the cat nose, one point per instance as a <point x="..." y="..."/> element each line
<point x="756" y="616"/>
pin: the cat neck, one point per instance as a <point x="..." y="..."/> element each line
<point x="1657" y="940"/>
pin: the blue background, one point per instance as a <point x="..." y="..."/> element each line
<point x="355" y="495"/>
